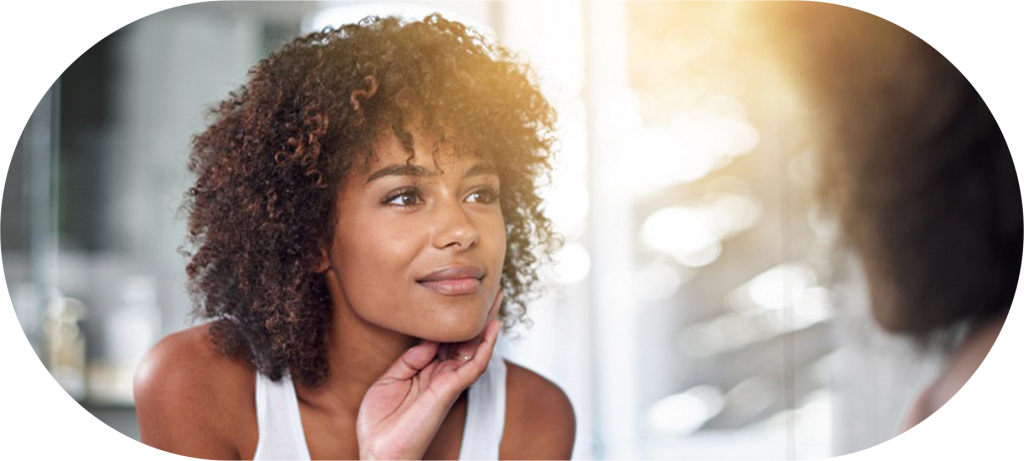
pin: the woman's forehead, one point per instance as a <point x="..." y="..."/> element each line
<point x="428" y="152"/>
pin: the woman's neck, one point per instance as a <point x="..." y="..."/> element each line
<point x="358" y="354"/>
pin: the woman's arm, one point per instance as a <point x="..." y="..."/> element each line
<point x="189" y="400"/>
<point x="539" y="419"/>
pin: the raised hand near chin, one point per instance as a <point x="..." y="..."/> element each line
<point x="402" y="411"/>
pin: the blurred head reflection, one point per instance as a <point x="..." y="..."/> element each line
<point x="916" y="167"/>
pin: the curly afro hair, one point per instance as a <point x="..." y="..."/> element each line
<point x="268" y="167"/>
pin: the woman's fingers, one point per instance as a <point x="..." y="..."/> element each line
<point x="474" y="367"/>
<point x="470" y="357"/>
<point x="412" y="361"/>
<point x="401" y="413"/>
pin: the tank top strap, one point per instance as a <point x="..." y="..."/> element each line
<point x="485" y="413"/>
<point x="277" y="416"/>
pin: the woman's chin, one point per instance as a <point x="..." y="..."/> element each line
<point x="456" y="333"/>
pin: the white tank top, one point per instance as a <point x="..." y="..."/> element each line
<point x="280" y="427"/>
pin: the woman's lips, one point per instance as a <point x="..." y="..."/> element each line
<point x="464" y="286"/>
<point x="462" y="280"/>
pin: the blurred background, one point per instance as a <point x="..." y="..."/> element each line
<point x="703" y="306"/>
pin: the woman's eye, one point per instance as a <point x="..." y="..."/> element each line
<point x="403" y="198"/>
<point x="484" y="196"/>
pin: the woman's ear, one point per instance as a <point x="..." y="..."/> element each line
<point x="324" y="263"/>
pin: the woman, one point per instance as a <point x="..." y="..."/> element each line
<point x="922" y="180"/>
<point x="364" y="208"/>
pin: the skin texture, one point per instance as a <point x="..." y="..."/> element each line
<point x="419" y="224"/>
<point x="388" y="394"/>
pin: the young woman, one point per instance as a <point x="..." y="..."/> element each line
<point x="365" y="207"/>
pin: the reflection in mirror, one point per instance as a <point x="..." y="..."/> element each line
<point x="916" y="169"/>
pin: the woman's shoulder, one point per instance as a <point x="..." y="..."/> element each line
<point x="539" y="419"/>
<point x="193" y="400"/>
<point x="190" y="360"/>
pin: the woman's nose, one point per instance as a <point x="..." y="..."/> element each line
<point x="455" y="228"/>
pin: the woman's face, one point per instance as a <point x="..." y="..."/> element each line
<point x="419" y="244"/>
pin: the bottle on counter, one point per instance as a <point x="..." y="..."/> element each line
<point x="65" y="345"/>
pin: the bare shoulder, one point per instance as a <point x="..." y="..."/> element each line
<point x="539" y="419"/>
<point x="192" y="400"/>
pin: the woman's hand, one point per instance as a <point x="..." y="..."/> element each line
<point x="401" y="412"/>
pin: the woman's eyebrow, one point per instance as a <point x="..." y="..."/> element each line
<point x="481" y="169"/>
<point x="398" y="170"/>
<point x="419" y="172"/>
